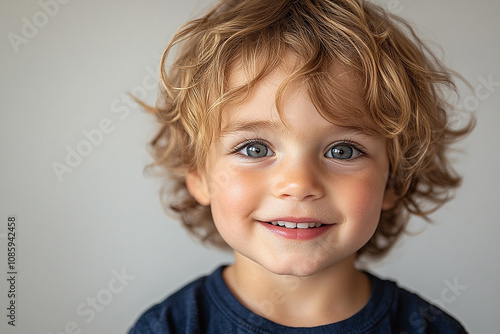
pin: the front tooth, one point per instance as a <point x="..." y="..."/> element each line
<point x="290" y="225"/>
<point x="302" y="225"/>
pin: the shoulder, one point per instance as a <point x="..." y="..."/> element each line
<point x="179" y="313"/>
<point x="410" y="313"/>
<point x="206" y="305"/>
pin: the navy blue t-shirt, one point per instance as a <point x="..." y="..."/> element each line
<point x="207" y="306"/>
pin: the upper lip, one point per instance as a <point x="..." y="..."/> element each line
<point x="296" y="220"/>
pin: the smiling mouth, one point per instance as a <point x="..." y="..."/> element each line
<point x="295" y="225"/>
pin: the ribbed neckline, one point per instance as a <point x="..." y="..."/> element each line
<point x="368" y="317"/>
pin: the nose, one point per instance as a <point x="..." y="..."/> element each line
<point x="299" y="181"/>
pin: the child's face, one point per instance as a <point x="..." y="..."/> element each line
<point x="261" y="171"/>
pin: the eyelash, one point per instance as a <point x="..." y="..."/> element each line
<point x="350" y="143"/>
<point x="248" y="142"/>
<point x="346" y="142"/>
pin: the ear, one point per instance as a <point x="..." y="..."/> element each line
<point x="197" y="186"/>
<point x="390" y="199"/>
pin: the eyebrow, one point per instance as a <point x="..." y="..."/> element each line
<point x="255" y="126"/>
<point x="248" y="127"/>
<point x="356" y="129"/>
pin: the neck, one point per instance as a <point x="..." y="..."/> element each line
<point x="328" y="296"/>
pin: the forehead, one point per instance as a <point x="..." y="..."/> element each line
<point x="336" y="92"/>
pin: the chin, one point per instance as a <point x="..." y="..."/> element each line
<point x="296" y="267"/>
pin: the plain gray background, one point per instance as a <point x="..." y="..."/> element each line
<point x="80" y="231"/>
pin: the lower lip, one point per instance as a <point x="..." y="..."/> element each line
<point x="297" y="233"/>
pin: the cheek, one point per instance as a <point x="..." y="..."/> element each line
<point x="362" y="200"/>
<point x="234" y="195"/>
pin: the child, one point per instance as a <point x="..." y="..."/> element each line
<point x="301" y="134"/>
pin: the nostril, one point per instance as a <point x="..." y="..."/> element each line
<point x="298" y="182"/>
<point x="299" y="192"/>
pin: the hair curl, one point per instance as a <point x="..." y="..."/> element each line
<point x="403" y="87"/>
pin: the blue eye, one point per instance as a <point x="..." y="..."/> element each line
<point x="256" y="150"/>
<point x="342" y="152"/>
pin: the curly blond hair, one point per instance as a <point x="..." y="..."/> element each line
<point x="404" y="89"/>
